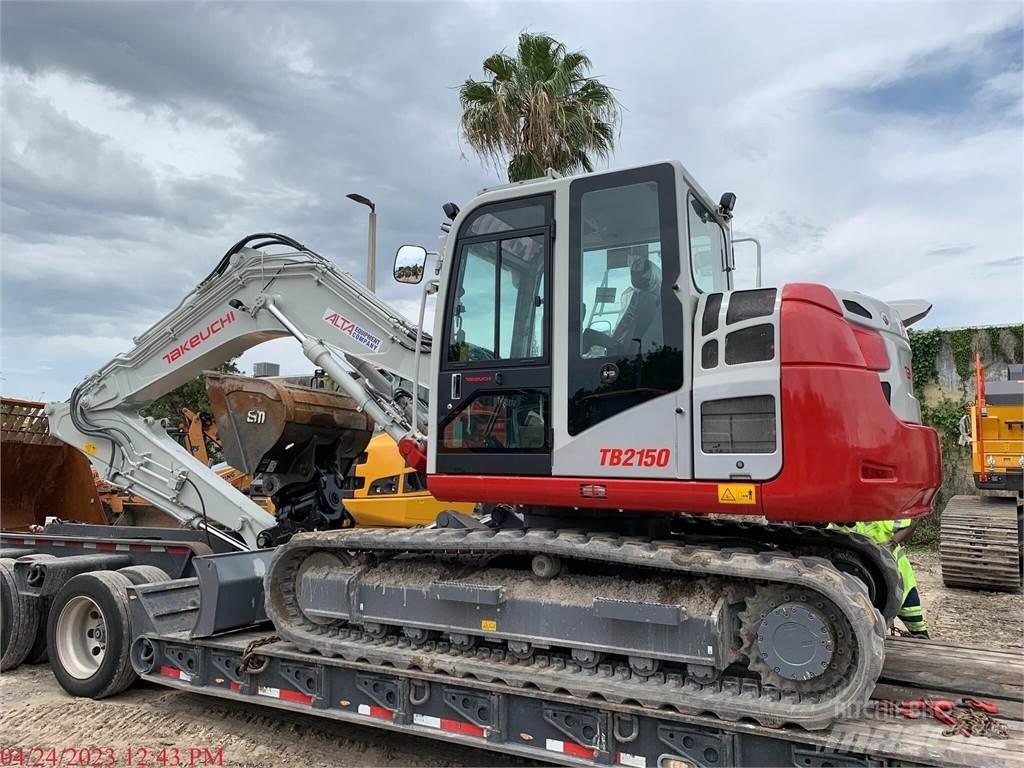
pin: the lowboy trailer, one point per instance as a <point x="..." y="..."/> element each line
<point x="184" y="617"/>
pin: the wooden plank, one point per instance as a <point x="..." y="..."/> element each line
<point x="954" y="670"/>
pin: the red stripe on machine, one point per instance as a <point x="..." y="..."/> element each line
<point x="284" y="694"/>
<point x="108" y="546"/>
<point x="455" y="726"/>
<point x="236" y="687"/>
<point x="568" y="748"/>
<point x="175" y="674"/>
<point x="380" y="713"/>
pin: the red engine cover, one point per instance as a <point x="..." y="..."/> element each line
<point x="846" y="455"/>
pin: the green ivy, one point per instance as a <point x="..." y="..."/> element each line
<point x="944" y="416"/>
<point x="961" y="343"/>
<point x="924" y="346"/>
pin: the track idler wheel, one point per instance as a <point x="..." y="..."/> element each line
<point x="796" y="640"/>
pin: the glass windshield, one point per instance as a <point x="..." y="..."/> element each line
<point x="620" y="272"/>
<point x="707" y="248"/>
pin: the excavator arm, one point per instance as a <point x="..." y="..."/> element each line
<point x="253" y="295"/>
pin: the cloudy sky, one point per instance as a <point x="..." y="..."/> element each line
<point x="873" y="146"/>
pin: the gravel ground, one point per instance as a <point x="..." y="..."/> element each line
<point x="37" y="713"/>
<point x="986" y="619"/>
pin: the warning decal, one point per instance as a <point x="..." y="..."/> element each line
<point x="737" y="493"/>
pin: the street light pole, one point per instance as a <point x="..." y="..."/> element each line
<point x="371" y="240"/>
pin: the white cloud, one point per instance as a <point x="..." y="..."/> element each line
<point x="754" y="98"/>
<point x="167" y="141"/>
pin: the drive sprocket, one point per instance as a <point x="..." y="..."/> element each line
<point x="795" y="639"/>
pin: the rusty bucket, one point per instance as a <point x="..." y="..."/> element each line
<point x="41" y="476"/>
<point x="264" y="424"/>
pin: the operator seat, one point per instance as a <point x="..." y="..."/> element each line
<point x="641" y="310"/>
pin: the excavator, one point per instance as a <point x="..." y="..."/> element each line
<point x="981" y="543"/>
<point x="660" y="452"/>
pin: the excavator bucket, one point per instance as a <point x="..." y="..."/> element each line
<point x="273" y="427"/>
<point x="40" y="476"/>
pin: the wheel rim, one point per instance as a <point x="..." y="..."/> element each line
<point x="81" y="637"/>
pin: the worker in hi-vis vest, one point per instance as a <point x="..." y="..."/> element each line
<point x="894" y="533"/>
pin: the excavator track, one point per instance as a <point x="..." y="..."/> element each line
<point x="759" y="680"/>
<point x="850" y="552"/>
<point x="981" y="544"/>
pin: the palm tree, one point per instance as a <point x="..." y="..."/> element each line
<point x="539" y="110"/>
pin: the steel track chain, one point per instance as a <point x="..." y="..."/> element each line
<point x="728" y="698"/>
<point x="810" y="539"/>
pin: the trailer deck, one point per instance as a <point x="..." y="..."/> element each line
<point x="205" y="632"/>
<point x="555" y="726"/>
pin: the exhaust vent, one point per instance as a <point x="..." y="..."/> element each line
<point x="709" y="322"/>
<point x="746" y="305"/>
<point x="750" y="345"/>
<point x="738" y="425"/>
<point x="709" y="354"/>
<point x="856" y="308"/>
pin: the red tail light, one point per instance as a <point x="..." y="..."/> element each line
<point x="872" y="347"/>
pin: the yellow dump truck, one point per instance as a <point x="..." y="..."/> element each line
<point x="981" y="541"/>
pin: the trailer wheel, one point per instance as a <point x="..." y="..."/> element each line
<point x="38" y="653"/>
<point x="19" y="618"/>
<point x="144" y="574"/>
<point x="89" y="635"/>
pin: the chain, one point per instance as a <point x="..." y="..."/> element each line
<point x="971" y="722"/>
<point x="252" y="661"/>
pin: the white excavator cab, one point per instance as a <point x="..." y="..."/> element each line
<point x="564" y="317"/>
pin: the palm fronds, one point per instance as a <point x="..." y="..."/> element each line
<point x="540" y="109"/>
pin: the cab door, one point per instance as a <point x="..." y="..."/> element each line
<point x="627" y="411"/>
<point x="494" y="383"/>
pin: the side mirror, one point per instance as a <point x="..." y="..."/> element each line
<point x="410" y="261"/>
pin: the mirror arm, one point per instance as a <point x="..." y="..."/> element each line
<point x="429" y="289"/>
<point x="757" y="245"/>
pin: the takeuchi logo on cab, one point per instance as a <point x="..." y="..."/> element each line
<point x="198" y="338"/>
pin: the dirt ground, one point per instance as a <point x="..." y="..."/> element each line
<point x="35" y="712"/>
<point x="986" y="619"/>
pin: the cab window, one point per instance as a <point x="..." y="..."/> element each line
<point x="625" y="321"/>
<point x="498" y="310"/>
<point x="707" y="248"/>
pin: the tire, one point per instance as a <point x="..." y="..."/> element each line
<point x="89" y="635"/>
<point x="19" y="619"/>
<point x="38" y="654"/>
<point x="144" y="574"/>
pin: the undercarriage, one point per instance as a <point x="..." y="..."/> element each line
<point x="781" y="625"/>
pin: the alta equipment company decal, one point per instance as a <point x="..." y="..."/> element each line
<point x="198" y="338"/>
<point x="347" y="326"/>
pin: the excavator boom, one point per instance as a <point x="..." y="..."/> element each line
<point x="251" y="297"/>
